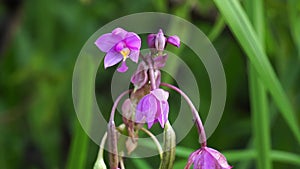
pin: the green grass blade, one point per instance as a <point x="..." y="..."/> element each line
<point x="258" y="94"/>
<point x="240" y="155"/>
<point x="293" y="12"/>
<point x="286" y="157"/>
<point x="141" y="163"/>
<point x="183" y="151"/>
<point x="79" y="146"/>
<point x="217" y="29"/>
<point x="260" y="119"/>
<point x="243" y="31"/>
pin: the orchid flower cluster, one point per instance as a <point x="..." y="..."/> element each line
<point x="148" y="103"/>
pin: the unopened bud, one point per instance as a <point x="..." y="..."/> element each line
<point x="169" y="146"/>
<point x="160" y="41"/>
<point x="112" y="145"/>
<point x="99" y="164"/>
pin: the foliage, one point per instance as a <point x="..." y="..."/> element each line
<point x="38" y="124"/>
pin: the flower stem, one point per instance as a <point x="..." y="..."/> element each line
<point x="112" y="135"/>
<point x="195" y="113"/>
<point x="113" y="110"/>
<point x="121" y="161"/>
<point x="160" y="151"/>
<point x="99" y="164"/>
<point x="152" y="78"/>
<point x="100" y="153"/>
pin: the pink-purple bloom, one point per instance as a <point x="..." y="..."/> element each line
<point x="159" y="40"/>
<point x="119" y="45"/>
<point x="207" y="158"/>
<point x="153" y="108"/>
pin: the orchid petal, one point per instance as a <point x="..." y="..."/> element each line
<point x="134" y="55"/>
<point x="162" y="112"/>
<point x="119" y="32"/>
<point x="192" y="159"/>
<point x="160" y="61"/>
<point x="151" y="40"/>
<point x="205" y="161"/>
<point x="160" y="94"/>
<point x="140" y="77"/>
<point x="207" y="158"/>
<point x="133" y="41"/>
<point x="146" y="109"/>
<point x="165" y="110"/>
<point x="119" y="46"/>
<point x="112" y="58"/>
<point x="123" y="68"/>
<point x="174" y="40"/>
<point x="220" y="158"/>
<point x="107" y="41"/>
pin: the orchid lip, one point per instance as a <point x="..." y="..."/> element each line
<point x="125" y="53"/>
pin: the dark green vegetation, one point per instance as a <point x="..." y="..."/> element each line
<point x="258" y="43"/>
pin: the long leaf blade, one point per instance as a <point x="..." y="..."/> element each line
<point x="243" y="31"/>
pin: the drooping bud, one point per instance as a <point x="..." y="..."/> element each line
<point x="99" y="164"/>
<point x="169" y="147"/>
<point x="126" y="111"/>
<point x="112" y="145"/>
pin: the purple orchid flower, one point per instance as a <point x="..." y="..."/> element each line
<point x="159" y="40"/>
<point x="207" y="158"/>
<point x="119" y="45"/>
<point x="153" y="108"/>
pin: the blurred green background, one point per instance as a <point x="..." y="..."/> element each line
<point x="40" y="41"/>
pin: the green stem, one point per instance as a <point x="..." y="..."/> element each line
<point x="80" y="141"/>
<point x="258" y="94"/>
<point x="199" y="125"/>
<point x="156" y="142"/>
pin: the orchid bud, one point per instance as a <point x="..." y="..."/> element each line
<point x="99" y="164"/>
<point x="160" y="41"/>
<point x="112" y="145"/>
<point x="169" y="146"/>
<point x="151" y="40"/>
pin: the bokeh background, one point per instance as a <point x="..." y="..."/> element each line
<point x="40" y="41"/>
